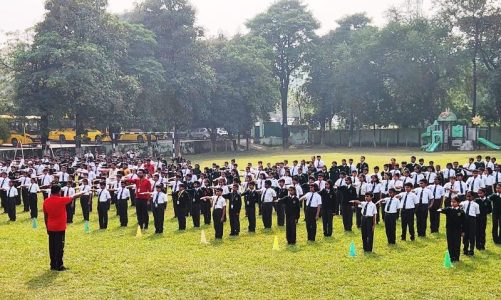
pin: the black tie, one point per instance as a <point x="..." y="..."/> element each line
<point x="387" y="184"/>
<point x="264" y="195"/>
<point x="156" y="199"/>
<point x="421" y="197"/>
<point x="460" y="187"/>
<point x="468" y="209"/>
<point x="120" y="196"/>
<point x="435" y="192"/>
<point x="389" y="205"/>
<point x="99" y="197"/>
<point x="405" y="201"/>
<point x="311" y="198"/>
<point x="472" y="184"/>
<point x="365" y="209"/>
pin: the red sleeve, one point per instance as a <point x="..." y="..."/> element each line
<point x="67" y="200"/>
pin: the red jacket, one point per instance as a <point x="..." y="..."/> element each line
<point x="142" y="186"/>
<point x="54" y="209"/>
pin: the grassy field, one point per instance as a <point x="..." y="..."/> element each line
<point x="116" y="264"/>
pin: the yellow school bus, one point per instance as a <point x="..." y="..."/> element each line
<point x="68" y="135"/>
<point x="22" y="130"/>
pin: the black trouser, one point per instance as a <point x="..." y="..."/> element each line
<point x="408" y="222"/>
<point x="327" y="221"/>
<point x="3" y="198"/>
<point x="84" y="202"/>
<point x="290" y="229"/>
<point x="11" y="207"/>
<point x="280" y="209"/>
<point x="481" y="227"/>
<point x="251" y="217"/>
<point x="26" y="198"/>
<point x="195" y="214"/>
<point x="33" y="205"/>
<point x="359" y="217"/>
<point x="336" y="206"/>
<point x="132" y="197"/>
<point x="206" y="206"/>
<point x="267" y="212"/>
<point x="217" y="214"/>
<point x="181" y="217"/>
<point x="378" y="207"/>
<point x="102" y="212"/>
<point x="174" y="204"/>
<point x="158" y="217"/>
<point x="390" y="225"/>
<point x="421" y="218"/>
<point x="56" y="249"/>
<point x="235" y="222"/>
<point x="470" y="231"/>
<point x="367" y="233"/>
<point x="347" y="212"/>
<point x="143" y="217"/>
<point x="311" y="223"/>
<point x="70" y="211"/>
<point x="435" y="215"/>
<point x="122" y="211"/>
<point x="45" y="195"/>
<point x="454" y="242"/>
<point x="496" y="227"/>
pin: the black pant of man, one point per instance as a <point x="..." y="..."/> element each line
<point x="251" y="217"/>
<point x="347" y="211"/>
<point x="102" y="212"/>
<point x="195" y="214"/>
<point x="359" y="217"/>
<point x="421" y="219"/>
<point x="454" y="242"/>
<point x="56" y="249"/>
<point x="408" y="222"/>
<point x="206" y="207"/>
<point x="11" y="208"/>
<point x="158" y="217"/>
<point x="469" y="237"/>
<point x="217" y="214"/>
<point x="267" y="212"/>
<point x="181" y="217"/>
<point x="175" y="206"/>
<point x="3" y="198"/>
<point x="70" y="212"/>
<point x="235" y="223"/>
<point x="132" y="197"/>
<point x="280" y="209"/>
<point x="84" y="202"/>
<point x="435" y="216"/>
<point x="143" y="218"/>
<point x="45" y="195"/>
<point x="496" y="227"/>
<point x="327" y="221"/>
<point x="290" y="229"/>
<point x="390" y="225"/>
<point x="311" y="223"/>
<point x="367" y="233"/>
<point x="481" y="227"/>
<point x="33" y="205"/>
<point x="26" y="199"/>
<point x="122" y="212"/>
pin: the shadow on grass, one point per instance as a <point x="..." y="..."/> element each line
<point x="216" y="242"/>
<point x="43" y="280"/>
<point x="293" y="248"/>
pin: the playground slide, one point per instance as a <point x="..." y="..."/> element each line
<point x="433" y="147"/>
<point x="488" y="144"/>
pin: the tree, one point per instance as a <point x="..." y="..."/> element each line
<point x="289" y="28"/>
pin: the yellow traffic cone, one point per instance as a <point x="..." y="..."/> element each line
<point x="203" y="238"/>
<point x="275" y="244"/>
<point x="138" y="232"/>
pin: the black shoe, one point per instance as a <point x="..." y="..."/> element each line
<point x="412" y="238"/>
<point x="471" y="253"/>
<point x="465" y="252"/>
<point x="62" y="269"/>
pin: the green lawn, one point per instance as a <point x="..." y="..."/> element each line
<point x="117" y="264"/>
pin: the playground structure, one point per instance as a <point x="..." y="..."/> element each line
<point x="445" y="135"/>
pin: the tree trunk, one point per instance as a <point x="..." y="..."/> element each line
<point x="247" y="141"/>
<point x="176" y="152"/>
<point x="475" y="79"/>
<point x="213" y="136"/>
<point x="284" y="91"/>
<point x="350" y="135"/>
<point x="322" y="132"/>
<point x="78" y="135"/>
<point x="44" y="130"/>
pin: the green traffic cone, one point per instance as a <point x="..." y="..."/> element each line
<point x="352" y="249"/>
<point x="447" y="260"/>
<point x="34" y="223"/>
<point x="86" y="227"/>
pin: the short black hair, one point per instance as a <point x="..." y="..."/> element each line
<point x="55" y="189"/>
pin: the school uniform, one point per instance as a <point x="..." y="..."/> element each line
<point x="496" y="217"/>
<point x="45" y="182"/>
<point x="416" y="178"/>
<point x="267" y="197"/>
<point x="474" y="184"/>
<point x="361" y="190"/>
<point x="485" y="207"/>
<point x="328" y="202"/>
<point x="218" y="203"/>
<point x="251" y="198"/>
<point x="123" y="195"/>
<point x="424" y="196"/>
<point x="196" y="205"/>
<point x="175" y="192"/>
<point x="206" y="206"/>
<point x="369" y="212"/>
<point x="408" y="207"/>
<point x="182" y="200"/>
<point x="235" y="202"/>
<point x="279" y="208"/>
<point x="455" y="218"/>
<point x="4" y="185"/>
<point x="292" y="210"/>
<point x="68" y="191"/>
<point x="375" y="189"/>
<point x="33" y="190"/>
<point x="158" y="205"/>
<point x="390" y="218"/>
<point x="348" y="193"/>
<point x="103" y="205"/>
<point x="472" y="210"/>
<point x="437" y="192"/>
<point x="313" y="201"/>
<point x="25" y="181"/>
<point x="11" y="196"/>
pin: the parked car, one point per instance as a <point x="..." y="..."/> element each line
<point x="221" y="132"/>
<point x="200" y="134"/>
<point x="134" y="135"/>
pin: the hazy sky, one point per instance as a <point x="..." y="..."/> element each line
<point x="216" y="16"/>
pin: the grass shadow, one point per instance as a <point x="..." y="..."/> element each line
<point x="43" y="280"/>
<point x="293" y="248"/>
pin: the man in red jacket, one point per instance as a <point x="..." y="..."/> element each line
<point x="143" y="194"/>
<point x="54" y="209"/>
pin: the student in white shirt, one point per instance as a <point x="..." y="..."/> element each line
<point x="68" y="191"/>
<point x="33" y="190"/>
<point x="313" y="202"/>
<point x="86" y="199"/>
<point x="369" y="212"/>
<point x="472" y="210"/>
<point x="437" y="192"/>
<point x="103" y="205"/>
<point x="474" y="183"/>
<point x="123" y="194"/>
<point x="158" y="205"/>
<point x="12" y="195"/>
<point x="425" y="198"/>
<point x="408" y="201"/>
<point x="268" y="195"/>
<point x="390" y="215"/>
<point x="218" y="211"/>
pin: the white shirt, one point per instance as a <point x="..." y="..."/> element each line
<point x="448" y="173"/>
<point x="375" y="188"/>
<point x="11" y="192"/>
<point x="103" y="195"/>
<point x="267" y="195"/>
<point x="320" y="184"/>
<point x="371" y="209"/>
<point x="122" y="193"/>
<point x="339" y="183"/>
<point x="386" y="185"/>
<point x="392" y="205"/>
<point x="416" y="177"/>
<point x="33" y="188"/>
<point x="424" y="195"/>
<point x="430" y="176"/>
<point x="47" y="179"/>
<point x="299" y="190"/>
<point x="497" y="177"/>
<point x="162" y="198"/>
<point x="68" y="191"/>
<point x="408" y="200"/>
<point x="467" y="167"/>
<point x="218" y="202"/>
<point x="85" y="189"/>
<point x="318" y="164"/>
<point x="475" y="183"/>
<point x="437" y="191"/>
<point x="63" y="176"/>
<point x="474" y="208"/>
<point x="4" y="183"/>
<point x="312" y="199"/>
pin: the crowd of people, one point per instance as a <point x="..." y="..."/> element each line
<point x="412" y="191"/>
